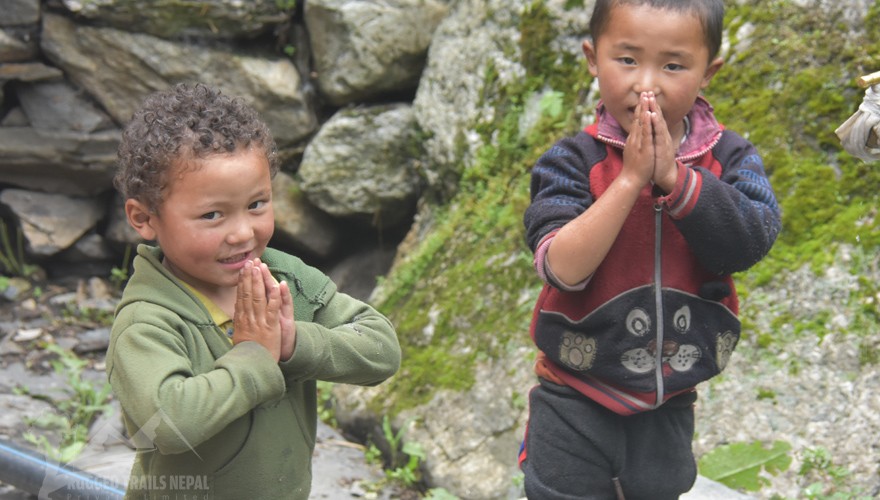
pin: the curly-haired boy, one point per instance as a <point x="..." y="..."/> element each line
<point x="218" y="341"/>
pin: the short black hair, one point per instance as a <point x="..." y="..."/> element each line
<point x="710" y="13"/>
<point x="182" y="123"/>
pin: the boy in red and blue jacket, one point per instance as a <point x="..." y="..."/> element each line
<point x="637" y="224"/>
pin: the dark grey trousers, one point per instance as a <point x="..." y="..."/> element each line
<point x="577" y="449"/>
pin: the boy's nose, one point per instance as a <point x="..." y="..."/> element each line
<point x="647" y="82"/>
<point x="240" y="231"/>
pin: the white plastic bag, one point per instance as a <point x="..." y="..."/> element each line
<point x="860" y="134"/>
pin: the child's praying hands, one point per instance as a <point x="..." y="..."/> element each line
<point x="665" y="168"/>
<point x="257" y="309"/>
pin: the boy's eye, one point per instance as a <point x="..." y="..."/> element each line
<point x="674" y="67"/>
<point x="627" y="60"/>
<point x="257" y="205"/>
<point x="211" y="215"/>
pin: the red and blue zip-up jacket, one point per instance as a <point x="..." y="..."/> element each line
<point x="659" y="315"/>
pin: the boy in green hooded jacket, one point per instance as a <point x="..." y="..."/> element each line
<point x="218" y="340"/>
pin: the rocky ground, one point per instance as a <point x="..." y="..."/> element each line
<point x="807" y="374"/>
<point x="814" y="395"/>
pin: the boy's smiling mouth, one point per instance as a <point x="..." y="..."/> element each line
<point x="235" y="259"/>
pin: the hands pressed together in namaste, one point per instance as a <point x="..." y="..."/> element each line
<point x="649" y="154"/>
<point x="264" y="311"/>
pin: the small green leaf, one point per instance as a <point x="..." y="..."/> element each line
<point x="414" y="449"/>
<point x="739" y="465"/>
<point x="439" y="494"/>
<point x="552" y="103"/>
<point x="68" y="453"/>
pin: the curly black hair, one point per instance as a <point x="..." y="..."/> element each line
<point x="185" y="122"/>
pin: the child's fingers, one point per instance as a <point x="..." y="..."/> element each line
<point x="286" y="300"/>
<point x="256" y="316"/>
<point x="273" y="294"/>
<point x="288" y="326"/>
<point x="657" y="119"/>
<point x="268" y="279"/>
<point x="243" y="318"/>
<point x="273" y="303"/>
<point x="643" y="114"/>
<point x="244" y="290"/>
<point x="258" y="287"/>
<point x="637" y="117"/>
<point x="648" y="127"/>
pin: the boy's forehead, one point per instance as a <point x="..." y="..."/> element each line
<point x="622" y="12"/>
<point x="632" y="17"/>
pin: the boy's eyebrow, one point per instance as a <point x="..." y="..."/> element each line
<point x="628" y="47"/>
<point x="677" y="54"/>
<point x="681" y="54"/>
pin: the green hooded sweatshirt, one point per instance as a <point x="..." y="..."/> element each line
<point x="212" y="420"/>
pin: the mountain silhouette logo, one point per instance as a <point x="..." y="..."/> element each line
<point x="74" y="475"/>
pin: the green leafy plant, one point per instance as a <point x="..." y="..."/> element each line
<point x="80" y="314"/>
<point x="12" y="256"/>
<point x="372" y="454"/>
<point x="402" y="462"/>
<point x="439" y="494"/>
<point x="77" y="412"/>
<point x="326" y="403"/>
<point x="827" y="480"/>
<point x="405" y="456"/>
<point x="553" y="104"/>
<point x="739" y="465"/>
<point x="119" y="275"/>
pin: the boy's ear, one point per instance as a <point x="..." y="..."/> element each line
<point x="713" y="68"/>
<point x="590" y="52"/>
<point x="140" y="218"/>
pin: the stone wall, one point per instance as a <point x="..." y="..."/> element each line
<point x="334" y="80"/>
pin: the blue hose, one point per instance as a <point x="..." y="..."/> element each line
<point x="31" y="472"/>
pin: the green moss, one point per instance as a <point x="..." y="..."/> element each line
<point x="471" y="282"/>
<point x="467" y="291"/>
<point x="788" y="92"/>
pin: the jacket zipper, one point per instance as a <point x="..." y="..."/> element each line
<point x="658" y="303"/>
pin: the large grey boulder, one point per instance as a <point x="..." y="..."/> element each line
<point x="52" y="222"/>
<point x="363" y="49"/>
<point x="300" y="224"/>
<point x="19" y="12"/>
<point x="60" y="106"/>
<point x="119" y="69"/>
<point x="58" y="161"/>
<point x="18" y="44"/>
<point x="363" y="164"/>
<point x="447" y="105"/>
<point x="477" y="39"/>
<point x="179" y="18"/>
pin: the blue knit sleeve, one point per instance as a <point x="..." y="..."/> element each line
<point x="560" y="187"/>
<point x="736" y="219"/>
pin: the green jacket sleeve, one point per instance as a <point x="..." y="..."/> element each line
<point x="347" y="341"/>
<point x="173" y="389"/>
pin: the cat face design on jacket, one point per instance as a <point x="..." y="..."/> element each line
<point x="674" y="356"/>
